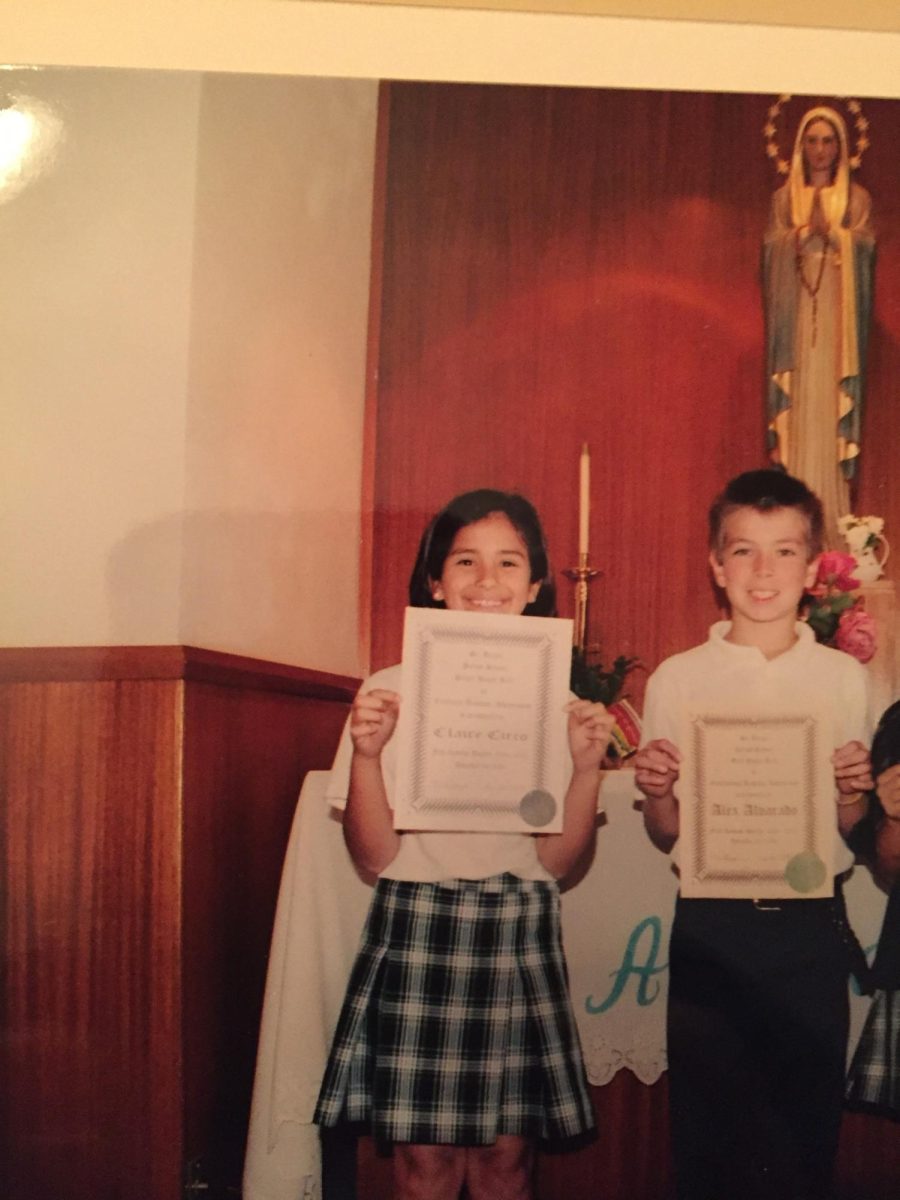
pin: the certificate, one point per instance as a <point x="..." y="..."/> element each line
<point x="482" y="742"/>
<point x="756" y="806"/>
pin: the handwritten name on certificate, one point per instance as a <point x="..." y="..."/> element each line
<point x="482" y="742"/>
<point x="756" y="798"/>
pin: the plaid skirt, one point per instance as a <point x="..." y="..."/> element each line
<point x="873" y="1082"/>
<point x="457" y="1025"/>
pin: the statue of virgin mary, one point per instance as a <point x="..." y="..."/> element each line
<point x="818" y="261"/>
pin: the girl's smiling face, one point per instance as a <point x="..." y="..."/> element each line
<point x="487" y="569"/>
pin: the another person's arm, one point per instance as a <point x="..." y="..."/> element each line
<point x="887" y="837"/>
<point x="853" y="780"/>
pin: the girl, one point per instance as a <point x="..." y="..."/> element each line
<point x="457" y="1042"/>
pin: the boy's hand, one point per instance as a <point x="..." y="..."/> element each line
<point x="373" y="719"/>
<point x="657" y="768"/>
<point x="590" y="728"/>
<point x="852" y="769"/>
<point x="888" y="788"/>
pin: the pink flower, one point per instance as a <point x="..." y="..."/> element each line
<point x="856" y="634"/>
<point x="836" y="571"/>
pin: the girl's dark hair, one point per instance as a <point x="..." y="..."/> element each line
<point x="466" y="510"/>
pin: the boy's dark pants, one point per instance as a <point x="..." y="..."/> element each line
<point x="757" y="1037"/>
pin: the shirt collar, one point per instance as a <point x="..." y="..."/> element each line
<point x="800" y="649"/>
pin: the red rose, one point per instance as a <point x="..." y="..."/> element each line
<point x="836" y="571"/>
<point x="856" y="634"/>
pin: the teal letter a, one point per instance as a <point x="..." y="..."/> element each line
<point x="629" y="966"/>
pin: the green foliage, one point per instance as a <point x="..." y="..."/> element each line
<point x="589" y="681"/>
<point x="824" y="615"/>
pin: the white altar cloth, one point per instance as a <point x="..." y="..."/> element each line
<point x="616" y="922"/>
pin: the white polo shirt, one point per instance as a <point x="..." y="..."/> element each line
<point x="719" y="674"/>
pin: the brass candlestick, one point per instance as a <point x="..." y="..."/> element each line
<point x="582" y="576"/>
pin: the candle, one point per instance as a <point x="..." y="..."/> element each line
<point x="584" y="500"/>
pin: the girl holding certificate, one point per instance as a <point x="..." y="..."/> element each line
<point x="457" y="1044"/>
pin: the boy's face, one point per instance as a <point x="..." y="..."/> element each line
<point x="764" y="565"/>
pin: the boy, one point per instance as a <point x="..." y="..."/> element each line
<point x="758" y="1004"/>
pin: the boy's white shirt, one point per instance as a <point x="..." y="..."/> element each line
<point x="718" y="673"/>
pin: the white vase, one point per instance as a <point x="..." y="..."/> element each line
<point x="871" y="559"/>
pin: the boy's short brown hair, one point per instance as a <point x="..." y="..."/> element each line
<point x="766" y="490"/>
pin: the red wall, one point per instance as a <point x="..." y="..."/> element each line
<point x="566" y="265"/>
<point x="555" y="266"/>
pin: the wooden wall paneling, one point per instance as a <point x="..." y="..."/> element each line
<point x="373" y="358"/>
<point x="630" y="1158"/>
<point x="146" y="798"/>
<point x="878" y="482"/>
<point x="246" y="753"/>
<point x="535" y="297"/>
<point x="566" y="265"/>
<point x="869" y="1159"/>
<point x="91" y="1011"/>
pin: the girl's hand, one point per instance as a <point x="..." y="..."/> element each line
<point x="373" y="719"/>
<point x="888" y="787"/>
<point x="656" y="768"/>
<point x="590" y="728"/>
<point x="852" y="769"/>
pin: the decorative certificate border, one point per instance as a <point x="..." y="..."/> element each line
<point x="797" y="863"/>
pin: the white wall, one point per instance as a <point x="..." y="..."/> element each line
<point x="185" y="305"/>
<point x="93" y="486"/>
<point x="94" y="307"/>
<point x="278" y="341"/>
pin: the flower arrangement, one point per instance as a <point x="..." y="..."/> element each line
<point x="861" y="533"/>
<point x="589" y="681"/>
<point x="837" y="616"/>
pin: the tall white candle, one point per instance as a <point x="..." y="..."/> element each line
<point x="584" y="500"/>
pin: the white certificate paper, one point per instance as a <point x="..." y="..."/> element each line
<point x="482" y="737"/>
<point x="756" y="804"/>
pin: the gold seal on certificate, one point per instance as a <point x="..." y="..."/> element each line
<point x="756" y="803"/>
<point x="482" y="741"/>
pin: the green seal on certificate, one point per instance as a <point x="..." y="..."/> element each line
<point x="805" y="872"/>
<point x="537" y="808"/>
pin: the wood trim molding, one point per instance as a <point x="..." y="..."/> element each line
<point x="373" y="358"/>
<point x="70" y="664"/>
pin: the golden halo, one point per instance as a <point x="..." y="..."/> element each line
<point x="854" y="117"/>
